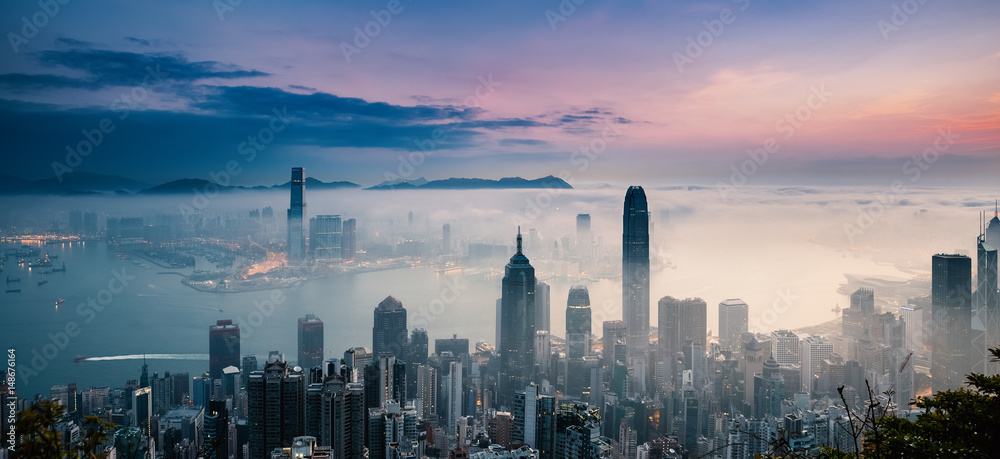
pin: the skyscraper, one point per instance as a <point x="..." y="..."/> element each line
<point x="517" y="331"/>
<point x="215" y="435"/>
<point x="385" y="382"/>
<point x="276" y="407"/>
<point x="389" y="334"/>
<point x="349" y="239"/>
<point x="733" y="321"/>
<point x="584" y="239"/>
<point x="325" y="233"/>
<point x="453" y="392"/>
<point x="446" y="238"/>
<point x="427" y="391"/>
<point x="951" y="301"/>
<point x="223" y="347"/>
<point x="297" y="215"/>
<point x="681" y="322"/>
<point x="578" y="322"/>
<point x="635" y="271"/>
<point x="543" y="306"/>
<point x="814" y="349"/>
<point x="310" y="342"/>
<point x="785" y="347"/>
<point x="987" y="302"/>
<point x="614" y="333"/>
<point x="417" y="352"/>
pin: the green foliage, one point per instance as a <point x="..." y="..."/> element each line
<point x="955" y="423"/>
<point x="39" y="437"/>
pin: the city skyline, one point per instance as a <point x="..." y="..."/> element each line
<point x="714" y="229"/>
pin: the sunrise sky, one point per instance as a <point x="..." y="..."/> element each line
<point x="518" y="87"/>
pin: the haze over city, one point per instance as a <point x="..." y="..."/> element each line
<point x="520" y="229"/>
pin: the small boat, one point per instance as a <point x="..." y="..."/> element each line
<point x="43" y="283"/>
<point x="14" y="290"/>
<point x="11" y="281"/>
<point x="80" y="358"/>
<point x="60" y="301"/>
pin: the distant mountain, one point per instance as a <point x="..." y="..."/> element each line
<point x="505" y="183"/>
<point x="188" y="185"/>
<point x="314" y="184"/>
<point x="73" y="183"/>
<point x="400" y="183"/>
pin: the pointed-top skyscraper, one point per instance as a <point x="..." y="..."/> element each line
<point x="517" y="329"/>
<point x="635" y="271"/>
<point x="987" y="301"/>
<point x="297" y="215"/>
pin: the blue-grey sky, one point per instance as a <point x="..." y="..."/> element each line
<point x="837" y="92"/>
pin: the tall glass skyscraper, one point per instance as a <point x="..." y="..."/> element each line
<point x="297" y="215"/>
<point x="951" y="301"/>
<point x="733" y="321"/>
<point x="325" y="237"/>
<point x="223" y="347"/>
<point x="987" y="302"/>
<point x="635" y="271"/>
<point x="310" y="342"/>
<point x="517" y="330"/>
<point x="578" y="322"/>
<point x="389" y="335"/>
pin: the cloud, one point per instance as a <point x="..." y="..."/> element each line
<point x="105" y="68"/>
<point x="522" y="142"/>
<point x="21" y="82"/>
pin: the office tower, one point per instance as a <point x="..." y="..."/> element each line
<point x="335" y="415"/>
<point x="142" y="408"/>
<point x="223" y="347"/>
<point x="680" y="323"/>
<point x="864" y="300"/>
<point x="357" y="358"/>
<point x="325" y="232"/>
<point x="457" y="346"/>
<point x="215" y="436"/>
<point x="427" y="391"/>
<point x="951" y="295"/>
<point x="276" y="407"/>
<point x="992" y="233"/>
<point x="446" y="238"/>
<point x="517" y="339"/>
<point x="349" y="239"/>
<point x="416" y="351"/>
<point x="578" y="322"/>
<point x="769" y="389"/>
<point x="453" y="393"/>
<point x="733" y="321"/>
<point x="753" y="363"/>
<point x="534" y="420"/>
<point x="814" y="349"/>
<point x="987" y="302"/>
<point x="385" y="382"/>
<point x="297" y="215"/>
<point x="635" y="271"/>
<point x="543" y="352"/>
<point x="584" y="238"/>
<point x="543" y="306"/>
<point x="389" y="333"/>
<point x="785" y="347"/>
<point x="614" y="333"/>
<point x="310" y="342"/>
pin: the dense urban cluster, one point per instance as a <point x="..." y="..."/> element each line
<point x="638" y="391"/>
